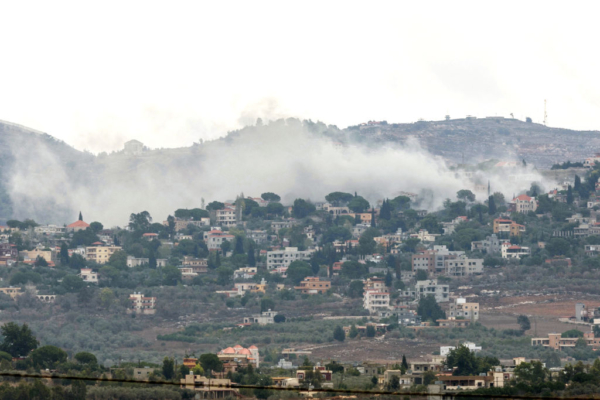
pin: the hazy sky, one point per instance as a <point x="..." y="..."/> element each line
<point x="169" y="74"/>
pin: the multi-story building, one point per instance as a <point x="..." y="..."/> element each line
<point x="524" y="203"/>
<point x="264" y="318"/>
<point x="491" y="244"/>
<point x="136" y="262"/>
<point x="197" y="265"/>
<point x="376" y="297"/>
<point x="513" y="251"/>
<point x="244" y="273"/>
<point x="227" y="216"/>
<point x="285" y="224"/>
<point x="141" y="304"/>
<point x="283" y="258"/>
<point x="8" y="253"/>
<point x="258" y="236"/>
<point x="313" y="285"/>
<point x="181" y="224"/>
<point x="557" y="342"/>
<point x="502" y="225"/>
<point x="32" y="255"/>
<point x="431" y="287"/>
<point x="49" y="229"/>
<point x="215" y="238"/>
<point x="461" y="309"/>
<point x="433" y="261"/>
<point x="100" y="254"/>
<point x="463" y="266"/>
<point x="88" y="276"/>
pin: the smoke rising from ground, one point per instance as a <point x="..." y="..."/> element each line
<point x="291" y="158"/>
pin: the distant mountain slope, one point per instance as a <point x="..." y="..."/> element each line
<point x="48" y="180"/>
<point x="480" y="139"/>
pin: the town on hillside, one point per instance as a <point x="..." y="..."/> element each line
<point x="496" y="295"/>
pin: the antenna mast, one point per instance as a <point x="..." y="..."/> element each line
<point x="545" y="114"/>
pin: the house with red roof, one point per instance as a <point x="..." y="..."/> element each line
<point x="514" y="251"/>
<point x="77" y="226"/>
<point x="239" y="355"/>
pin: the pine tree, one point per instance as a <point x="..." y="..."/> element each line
<point x="357" y="219"/>
<point x="577" y="185"/>
<point x="80" y="216"/>
<point x="218" y="260"/>
<point x="152" y="260"/>
<point x="404" y="362"/>
<point x="386" y="212"/>
<point x="339" y="334"/>
<point x="491" y="205"/>
<point x="64" y="254"/>
<point x="251" y="257"/>
<point x="373" y="218"/>
<point x="569" y="195"/>
<point x="239" y="245"/>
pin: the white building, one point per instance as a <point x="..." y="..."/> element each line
<point x="513" y="251"/>
<point x="431" y="287"/>
<point x="524" y="203"/>
<point x="133" y="147"/>
<point x="445" y="350"/>
<point x="49" y="229"/>
<point x="283" y="258"/>
<point x="463" y="266"/>
<point x="264" y="318"/>
<point x="461" y="309"/>
<point x="227" y="216"/>
<point x="88" y="276"/>
<point x="491" y="244"/>
<point x="141" y="304"/>
<point x="215" y="238"/>
<point x="136" y="262"/>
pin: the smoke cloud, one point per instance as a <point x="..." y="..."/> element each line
<point x="288" y="157"/>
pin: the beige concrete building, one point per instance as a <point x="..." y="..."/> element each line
<point x="100" y="254"/>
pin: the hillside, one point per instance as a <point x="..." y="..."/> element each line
<point x="46" y="179"/>
<point x="480" y="139"/>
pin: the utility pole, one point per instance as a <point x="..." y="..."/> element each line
<point x="545" y="114"/>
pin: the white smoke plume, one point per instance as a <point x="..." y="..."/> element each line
<point x="284" y="157"/>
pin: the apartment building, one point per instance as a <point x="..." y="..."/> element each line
<point x="462" y="309"/>
<point x="141" y="304"/>
<point x="491" y="244"/>
<point x="49" y="229"/>
<point x="286" y="224"/>
<point x="463" y="266"/>
<point x="431" y="287"/>
<point x="508" y="226"/>
<point x="215" y="238"/>
<point x="88" y="276"/>
<point x="100" y="254"/>
<point x="283" y="258"/>
<point x="557" y="342"/>
<point x="136" y="262"/>
<point x="226" y="216"/>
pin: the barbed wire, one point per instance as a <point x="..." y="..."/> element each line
<point x="211" y="385"/>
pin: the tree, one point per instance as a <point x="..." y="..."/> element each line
<point x="48" y="357"/>
<point x="275" y="209"/>
<point x="171" y="275"/>
<point x="410" y="245"/>
<point x="558" y="246"/>
<point x="355" y="289"/>
<point x="577" y="184"/>
<point x="464" y="360"/>
<point x="267" y="304"/>
<point x="239" y="245"/>
<point x="83" y="357"/>
<point x="339" y="334"/>
<point x="72" y="283"/>
<point x="385" y="212"/>
<point x="64" y="254"/>
<point x="18" y="340"/>
<point x="224" y="276"/>
<point x="354" y="269"/>
<point x="298" y="270"/>
<point x="404" y="362"/>
<point x="465" y="195"/>
<point x="429" y="309"/>
<point x="215" y="205"/>
<point x="41" y="262"/>
<point x="429" y="377"/>
<point x="279" y="318"/>
<point x="140" y="222"/>
<point x="421" y="275"/>
<point x="269" y="196"/>
<point x="394" y="383"/>
<point x="107" y="297"/>
<point x="528" y="120"/>
<point x="366" y="243"/>
<point x="251" y="255"/>
<point x="358" y="204"/>
<point x="400" y="203"/>
<point x="302" y="208"/>
<point x="569" y="195"/>
<point x="118" y="259"/>
<point x="168" y="368"/>
<point x="96" y="227"/>
<point x="388" y="279"/>
<point x="210" y="362"/>
<point x="530" y="374"/>
<point x="491" y="205"/>
<point x="523" y="322"/>
<point x="78" y="391"/>
<point x="338" y="198"/>
<point x="370" y="331"/>
<point x="353" y="332"/>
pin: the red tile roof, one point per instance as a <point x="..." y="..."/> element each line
<point x="79" y="224"/>
<point x="522" y="197"/>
